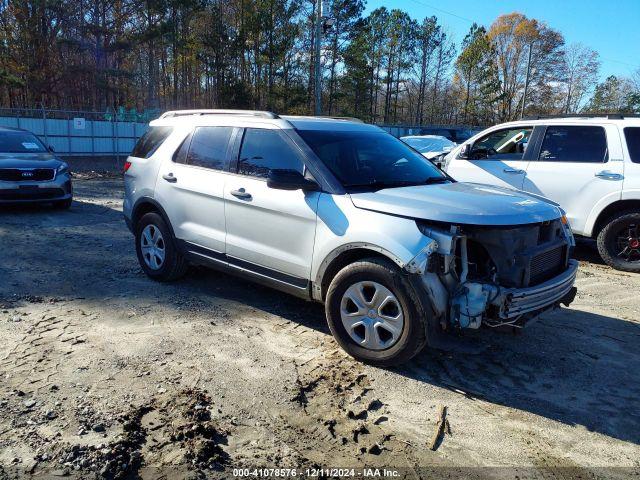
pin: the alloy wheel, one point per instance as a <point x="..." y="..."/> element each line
<point x="628" y="243"/>
<point x="372" y="315"/>
<point x="153" y="247"/>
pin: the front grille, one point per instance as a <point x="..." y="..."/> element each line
<point x="31" y="194"/>
<point x="27" y="174"/>
<point x="547" y="265"/>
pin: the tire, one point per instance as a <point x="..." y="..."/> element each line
<point x="611" y="241"/>
<point x="366" y="275"/>
<point x="173" y="265"/>
<point x="63" y="204"/>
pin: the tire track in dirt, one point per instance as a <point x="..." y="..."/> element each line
<point x="37" y="356"/>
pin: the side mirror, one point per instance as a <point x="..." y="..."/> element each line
<point x="51" y="149"/>
<point x="465" y="153"/>
<point x="281" y="179"/>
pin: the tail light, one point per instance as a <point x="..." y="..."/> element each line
<point x="127" y="164"/>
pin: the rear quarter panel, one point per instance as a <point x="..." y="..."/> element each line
<point x="140" y="179"/>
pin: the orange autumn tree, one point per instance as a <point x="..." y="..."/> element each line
<point x="512" y="36"/>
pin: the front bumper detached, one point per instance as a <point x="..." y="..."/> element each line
<point x="514" y="302"/>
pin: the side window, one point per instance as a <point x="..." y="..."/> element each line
<point x="150" y="141"/>
<point x="180" y="156"/>
<point x="263" y="150"/>
<point x="208" y="147"/>
<point x="508" y="144"/>
<point x="632" y="134"/>
<point x="584" y="144"/>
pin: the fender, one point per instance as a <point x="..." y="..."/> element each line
<point x="148" y="200"/>
<point x="341" y="227"/>
<point x="595" y="212"/>
<point x="335" y="253"/>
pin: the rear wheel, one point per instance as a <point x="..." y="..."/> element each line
<point x="619" y="242"/>
<point x="374" y="314"/>
<point x="157" y="251"/>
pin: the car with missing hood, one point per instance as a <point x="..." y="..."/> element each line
<point x="30" y="172"/>
<point x="345" y="214"/>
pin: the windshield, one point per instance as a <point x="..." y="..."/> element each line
<point x="429" y="144"/>
<point x="20" y="142"/>
<point x="371" y="159"/>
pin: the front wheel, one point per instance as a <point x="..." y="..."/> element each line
<point x="619" y="242"/>
<point x="373" y="313"/>
<point x="156" y="249"/>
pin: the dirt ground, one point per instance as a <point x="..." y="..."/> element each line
<point x="106" y="373"/>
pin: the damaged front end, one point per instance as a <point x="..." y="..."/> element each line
<point x="495" y="275"/>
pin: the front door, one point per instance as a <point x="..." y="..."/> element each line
<point x="497" y="158"/>
<point x="577" y="166"/>
<point x="269" y="232"/>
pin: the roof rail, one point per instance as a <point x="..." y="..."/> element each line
<point x="610" y="116"/>
<point x="248" y="113"/>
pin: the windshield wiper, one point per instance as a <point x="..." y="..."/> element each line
<point x="434" y="180"/>
<point x="379" y="184"/>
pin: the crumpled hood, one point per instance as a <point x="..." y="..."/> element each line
<point x="28" y="160"/>
<point x="459" y="202"/>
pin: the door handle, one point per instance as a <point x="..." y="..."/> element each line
<point x="170" y="178"/>
<point x="607" y="175"/>
<point x="513" y="170"/>
<point x="241" y="193"/>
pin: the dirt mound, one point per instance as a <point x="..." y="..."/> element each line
<point x="179" y="427"/>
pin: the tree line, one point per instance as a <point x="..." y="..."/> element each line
<point x="384" y="67"/>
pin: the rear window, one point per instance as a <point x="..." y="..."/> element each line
<point x="20" y="142"/>
<point x="632" y="134"/>
<point x="150" y="141"/>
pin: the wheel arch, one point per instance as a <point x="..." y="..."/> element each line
<point x="610" y="210"/>
<point x="343" y="256"/>
<point x="146" y="205"/>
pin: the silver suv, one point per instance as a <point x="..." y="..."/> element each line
<point x="343" y="213"/>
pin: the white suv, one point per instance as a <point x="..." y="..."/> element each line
<point x="588" y="165"/>
<point x="343" y="213"/>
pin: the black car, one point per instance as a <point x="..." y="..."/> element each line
<point x="30" y="172"/>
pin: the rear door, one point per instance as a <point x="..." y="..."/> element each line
<point x="498" y="158"/>
<point x="270" y="232"/>
<point x="190" y="187"/>
<point x="577" y="166"/>
<point x="631" y="184"/>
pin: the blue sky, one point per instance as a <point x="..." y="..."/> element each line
<point x="611" y="27"/>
